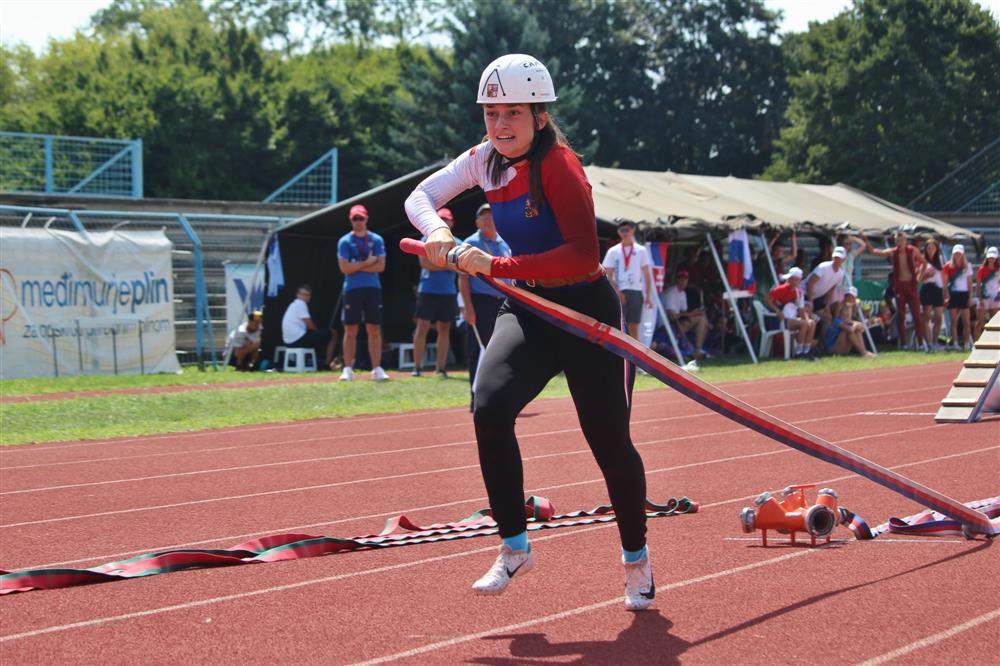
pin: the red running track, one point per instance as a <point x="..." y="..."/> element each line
<point x="721" y="597"/>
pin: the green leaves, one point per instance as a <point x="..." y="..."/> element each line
<point x="890" y="96"/>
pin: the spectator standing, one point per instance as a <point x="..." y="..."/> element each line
<point x="676" y="305"/>
<point x="854" y="247"/>
<point x="361" y="257"/>
<point x="437" y="305"/>
<point x="958" y="284"/>
<point x="825" y="253"/>
<point x="846" y="332"/>
<point x="906" y="263"/>
<point x="630" y="272"/>
<point x="788" y="300"/>
<point x="988" y="281"/>
<point x="299" y="330"/>
<point x="245" y="343"/>
<point x="932" y="291"/>
<point x="482" y="302"/>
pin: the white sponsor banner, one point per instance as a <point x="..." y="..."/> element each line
<point x="240" y="284"/>
<point x="72" y="304"/>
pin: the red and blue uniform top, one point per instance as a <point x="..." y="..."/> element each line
<point x="556" y="239"/>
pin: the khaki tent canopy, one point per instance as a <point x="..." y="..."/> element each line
<point x="677" y="207"/>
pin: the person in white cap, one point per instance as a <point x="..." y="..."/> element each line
<point x="788" y="300"/>
<point x="906" y="263"/>
<point x="846" y="332"/>
<point x="988" y="285"/>
<point x="543" y="207"/>
<point x="958" y="285"/>
<point x="821" y="287"/>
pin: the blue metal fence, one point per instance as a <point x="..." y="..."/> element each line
<point x="317" y="183"/>
<point x="44" y="163"/>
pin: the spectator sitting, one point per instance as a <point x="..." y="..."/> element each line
<point x="846" y="332"/>
<point x="245" y="343"/>
<point x="821" y="286"/>
<point x="788" y="301"/>
<point x="299" y="330"/>
<point x="677" y="307"/>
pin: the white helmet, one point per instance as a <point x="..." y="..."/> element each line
<point x="515" y="79"/>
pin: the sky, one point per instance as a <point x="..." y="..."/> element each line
<point x="34" y="22"/>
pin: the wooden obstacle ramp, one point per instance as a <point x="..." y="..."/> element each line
<point x="977" y="379"/>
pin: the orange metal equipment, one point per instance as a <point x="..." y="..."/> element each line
<point x="790" y="512"/>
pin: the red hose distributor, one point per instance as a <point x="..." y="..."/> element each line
<point x="790" y="512"/>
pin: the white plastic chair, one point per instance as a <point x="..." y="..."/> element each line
<point x="767" y="336"/>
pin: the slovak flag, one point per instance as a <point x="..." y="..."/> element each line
<point x="658" y="255"/>
<point x="739" y="267"/>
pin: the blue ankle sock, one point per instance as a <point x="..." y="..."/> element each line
<point x="519" y="542"/>
<point x="631" y="556"/>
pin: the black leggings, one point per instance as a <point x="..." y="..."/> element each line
<point x="524" y="353"/>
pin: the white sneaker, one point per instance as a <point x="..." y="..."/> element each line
<point x="692" y="366"/>
<point x="639" y="587"/>
<point x="347" y="375"/>
<point x="508" y="563"/>
<point x="378" y="374"/>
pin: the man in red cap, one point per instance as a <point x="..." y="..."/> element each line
<point x="361" y="257"/>
<point x="436" y="304"/>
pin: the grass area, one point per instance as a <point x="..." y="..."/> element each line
<point x="189" y="375"/>
<point x="152" y="413"/>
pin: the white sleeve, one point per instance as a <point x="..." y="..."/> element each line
<point x="465" y="171"/>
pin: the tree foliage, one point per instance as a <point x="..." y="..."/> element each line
<point x="233" y="97"/>
<point x="890" y="95"/>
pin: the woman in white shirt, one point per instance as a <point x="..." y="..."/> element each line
<point x="932" y="291"/>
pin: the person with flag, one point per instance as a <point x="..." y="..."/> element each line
<point x="543" y="207"/>
<point x="988" y="284"/>
<point x="630" y="272"/>
<point x="482" y="302"/>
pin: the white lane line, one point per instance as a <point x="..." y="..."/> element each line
<point x="936" y="638"/>
<point x="703" y="414"/>
<point x="364" y="572"/>
<point x="414" y="474"/>
<point x="896" y="413"/>
<point x="928" y="540"/>
<point x="580" y="610"/>
<point x="232" y="538"/>
<point x="41" y="448"/>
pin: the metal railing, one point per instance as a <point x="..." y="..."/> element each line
<point x="90" y="166"/>
<point x="317" y="183"/>
<point x="974" y="186"/>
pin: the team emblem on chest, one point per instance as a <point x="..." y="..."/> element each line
<point x="529" y="209"/>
